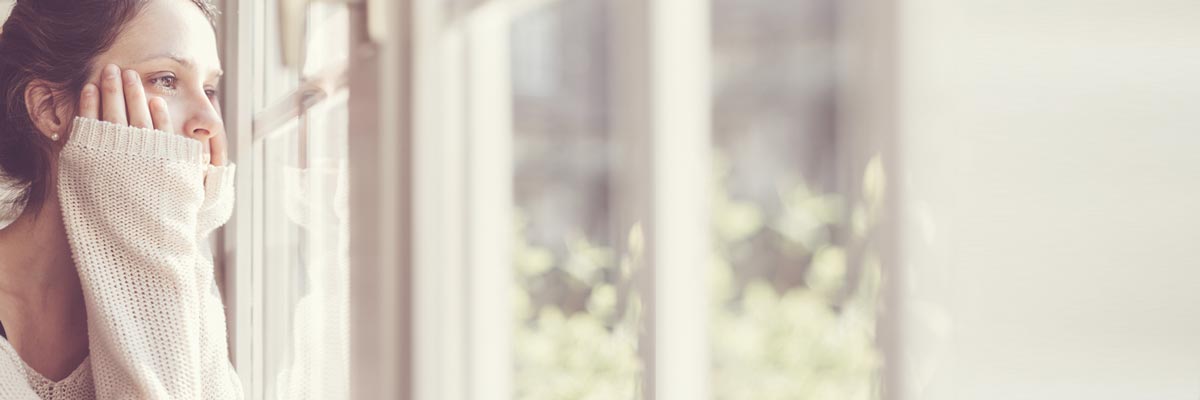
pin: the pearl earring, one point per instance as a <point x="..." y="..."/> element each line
<point x="54" y="137"/>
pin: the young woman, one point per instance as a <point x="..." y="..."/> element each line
<point x="112" y="143"/>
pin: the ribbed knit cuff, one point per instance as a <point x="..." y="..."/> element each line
<point x="124" y="139"/>
<point x="218" y="199"/>
<point x="219" y="179"/>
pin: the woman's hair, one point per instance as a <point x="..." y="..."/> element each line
<point x="55" y="41"/>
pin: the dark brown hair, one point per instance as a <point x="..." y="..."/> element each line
<point x="54" y="41"/>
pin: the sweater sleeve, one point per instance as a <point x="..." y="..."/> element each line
<point x="137" y="203"/>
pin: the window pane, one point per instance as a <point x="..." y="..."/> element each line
<point x="328" y="38"/>
<point x="305" y="275"/>
<point x="305" y="282"/>
<point x="793" y="287"/>
<point x="273" y="81"/>
<point x="577" y="320"/>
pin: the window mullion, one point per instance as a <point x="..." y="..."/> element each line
<point x="380" y="156"/>
<point x="490" y="203"/>
<point x="678" y="78"/>
<point x="235" y="260"/>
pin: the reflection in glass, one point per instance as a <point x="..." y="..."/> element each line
<point x="305" y="275"/>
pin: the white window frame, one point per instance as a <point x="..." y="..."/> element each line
<point x="381" y="178"/>
<point x="241" y="259"/>
<point x="462" y="143"/>
<point x="868" y="63"/>
<point x="431" y="171"/>
<point x="236" y="241"/>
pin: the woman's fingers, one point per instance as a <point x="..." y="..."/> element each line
<point x="121" y="99"/>
<point x="159" y="114"/>
<point x="217" y="146"/>
<point x="135" y="101"/>
<point x="89" y="102"/>
<point x="112" y="101"/>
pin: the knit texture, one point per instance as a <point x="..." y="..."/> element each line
<point x="137" y="205"/>
<point x="19" y="381"/>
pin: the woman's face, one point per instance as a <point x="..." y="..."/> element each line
<point x="173" y="48"/>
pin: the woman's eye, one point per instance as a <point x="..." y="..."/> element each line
<point x="164" y="82"/>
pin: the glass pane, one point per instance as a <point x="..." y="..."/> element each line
<point x="577" y="325"/>
<point x="793" y="286"/>
<point x="328" y="38"/>
<point x="304" y="273"/>
<point x="282" y="240"/>
<point x="273" y="81"/>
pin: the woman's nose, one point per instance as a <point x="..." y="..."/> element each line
<point x="202" y="134"/>
<point x="204" y="124"/>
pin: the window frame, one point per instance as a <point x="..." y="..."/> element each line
<point x="461" y="68"/>
<point x="380" y="154"/>
<point x="396" y="76"/>
<point x="241" y="259"/>
<point x="234" y="260"/>
<point x="386" y="160"/>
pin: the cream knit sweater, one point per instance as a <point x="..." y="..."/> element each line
<point x="138" y="205"/>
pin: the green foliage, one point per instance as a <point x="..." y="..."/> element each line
<point x="590" y="354"/>
<point x="811" y="340"/>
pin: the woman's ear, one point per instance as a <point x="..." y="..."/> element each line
<point x="48" y="111"/>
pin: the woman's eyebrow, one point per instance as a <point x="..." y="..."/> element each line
<point x="182" y="61"/>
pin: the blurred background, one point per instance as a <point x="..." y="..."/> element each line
<point x="714" y="199"/>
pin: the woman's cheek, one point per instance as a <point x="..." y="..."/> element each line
<point x="177" y="114"/>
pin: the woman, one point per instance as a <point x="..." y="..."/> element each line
<point x="110" y="133"/>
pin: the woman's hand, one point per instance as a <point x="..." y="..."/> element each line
<point x="121" y="100"/>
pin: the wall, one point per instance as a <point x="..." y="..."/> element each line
<point x="1048" y="187"/>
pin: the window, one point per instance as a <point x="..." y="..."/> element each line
<point x="674" y="195"/>
<point x="290" y="284"/>
<point x="795" y="281"/>
<point x="577" y="313"/>
<point x="555" y="199"/>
